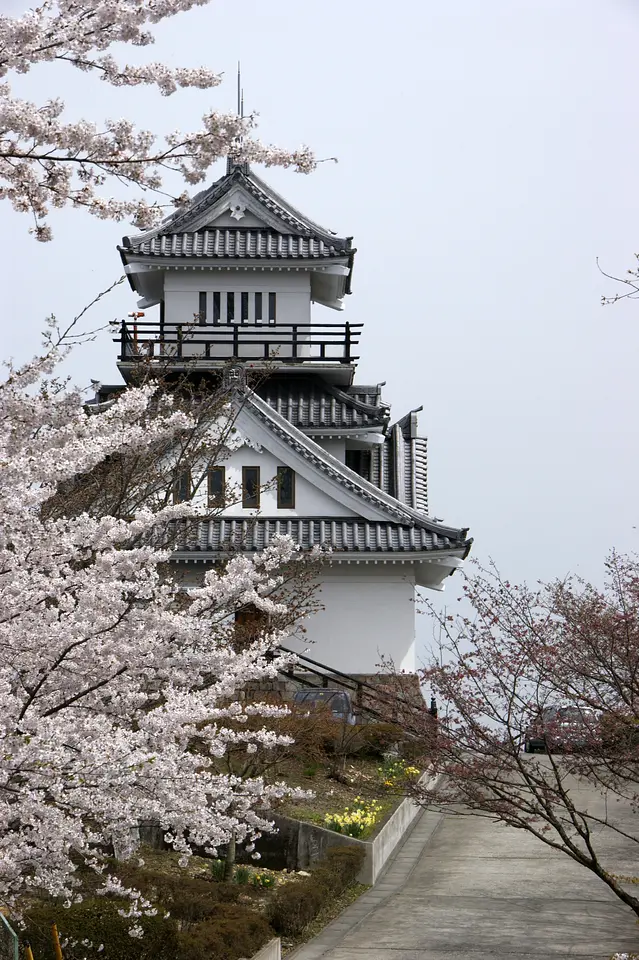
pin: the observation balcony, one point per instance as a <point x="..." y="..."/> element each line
<point x="325" y="347"/>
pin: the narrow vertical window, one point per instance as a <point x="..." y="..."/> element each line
<point x="271" y="308"/>
<point x="217" y="306"/>
<point x="258" y="307"/>
<point x="182" y="487"/>
<point x="202" y="310"/>
<point x="230" y="307"/>
<point x="250" y="487"/>
<point x="244" y="315"/>
<point x="285" y="488"/>
<point x="217" y="486"/>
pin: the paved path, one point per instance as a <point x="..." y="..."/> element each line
<point x="463" y="888"/>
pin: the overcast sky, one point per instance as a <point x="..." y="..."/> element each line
<point x="488" y="154"/>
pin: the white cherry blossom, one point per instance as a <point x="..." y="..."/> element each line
<point x="49" y="161"/>
<point x="109" y="668"/>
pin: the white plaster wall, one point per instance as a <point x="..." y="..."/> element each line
<point x="182" y="289"/>
<point x="309" y="500"/>
<point x="368" y="610"/>
<point x="336" y="448"/>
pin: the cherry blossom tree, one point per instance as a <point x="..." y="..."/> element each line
<point x="112" y="668"/>
<point x="566" y="644"/>
<point x="49" y="161"/>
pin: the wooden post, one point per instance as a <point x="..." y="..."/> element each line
<point x="236" y="341"/>
<point x="294" y="342"/>
<point x="347" y="342"/>
<point x="178" y="351"/>
<point x="57" y="949"/>
<point x="162" y="312"/>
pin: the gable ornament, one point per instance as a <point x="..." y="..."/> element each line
<point x="238" y="210"/>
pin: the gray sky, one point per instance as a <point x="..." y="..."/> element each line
<point x="487" y="156"/>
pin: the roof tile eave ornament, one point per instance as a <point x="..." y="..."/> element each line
<point x="346" y="477"/>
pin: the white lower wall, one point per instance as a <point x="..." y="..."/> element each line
<point x="367" y="611"/>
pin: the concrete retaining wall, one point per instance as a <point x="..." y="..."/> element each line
<point x="297" y="845"/>
<point x="306" y="843"/>
<point x="270" y="951"/>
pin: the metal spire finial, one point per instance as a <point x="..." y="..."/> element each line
<point x="240" y="112"/>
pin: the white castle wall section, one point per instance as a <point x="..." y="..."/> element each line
<point x="369" y="610"/>
<point x="182" y="289"/>
<point x="309" y="500"/>
<point x="336" y="448"/>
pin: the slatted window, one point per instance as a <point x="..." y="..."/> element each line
<point x="258" y="307"/>
<point x="285" y="488"/>
<point x="271" y="308"/>
<point x="202" y="307"/>
<point x="217" y="306"/>
<point x="245" y="308"/>
<point x="182" y="487"/>
<point x="251" y="487"/>
<point x="216" y="486"/>
<point x="230" y="307"/>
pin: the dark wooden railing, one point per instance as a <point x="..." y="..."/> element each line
<point x="287" y="342"/>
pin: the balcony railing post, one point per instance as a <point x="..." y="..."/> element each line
<point x="123" y="338"/>
<point x="138" y="338"/>
<point x="347" y="342"/>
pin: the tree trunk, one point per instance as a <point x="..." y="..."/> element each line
<point x="229" y="860"/>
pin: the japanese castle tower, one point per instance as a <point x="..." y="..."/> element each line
<point x="243" y="280"/>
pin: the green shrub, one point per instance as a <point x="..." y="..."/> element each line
<point x="344" y="863"/>
<point x="217" y="870"/>
<point x="379" y="737"/>
<point x="234" y="932"/>
<point x="295" y="905"/>
<point x="242" y="875"/>
<point x="189" y="899"/>
<point x="98" y="921"/>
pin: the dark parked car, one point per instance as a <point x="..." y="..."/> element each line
<point x="338" y="701"/>
<point x="561" y="728"/>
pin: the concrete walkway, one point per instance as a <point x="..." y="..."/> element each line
<point x="464" y="888"/>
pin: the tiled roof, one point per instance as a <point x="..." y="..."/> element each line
<point x="398" y="512"/>
<point x="235" y="242"/>
<point x="310" y="403"/>
<point x="300" y="227"/>
<point x="352" y="536"/>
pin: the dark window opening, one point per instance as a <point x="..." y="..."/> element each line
<point x="230" y="307"/>
<point x="217" y="306"/>
<point x="182" y="487"/>
<point x="258" y="307"/>
<point x="285" y="488"/>
<point x="271" y="308"/>
<point x="244" y="315"/>
<point x="202" y="311"/>
<point x="251" y="487"/>
<point x="217" y="486"/>
<point x="360" y="462"/>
